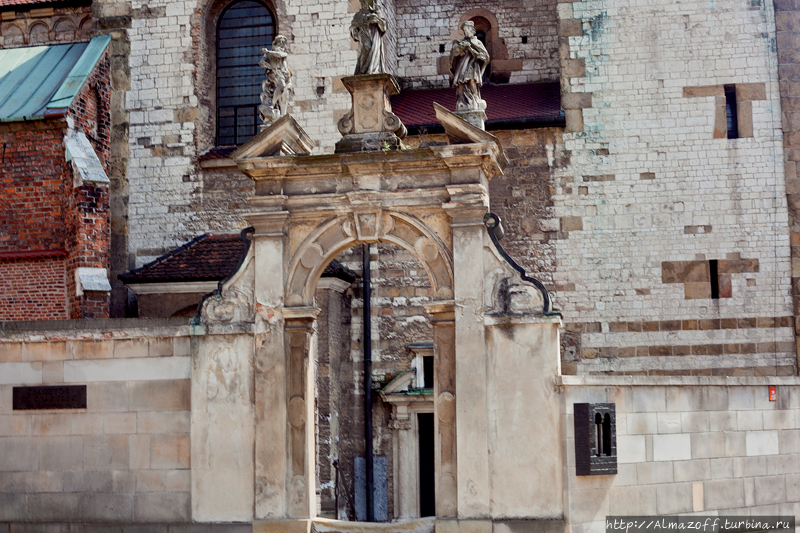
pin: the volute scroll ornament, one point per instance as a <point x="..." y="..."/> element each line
<point x="346" y="125"/>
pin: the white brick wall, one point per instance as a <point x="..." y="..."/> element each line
<point x="639" y="55"/>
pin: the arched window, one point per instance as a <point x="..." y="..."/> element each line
<point x="244" y="28"/>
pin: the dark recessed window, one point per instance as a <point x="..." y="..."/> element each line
<point x="244" y="29"/>
<point x="730" y="112"/>
<point x="427" y="372"/>
<point x="713" y="268"/>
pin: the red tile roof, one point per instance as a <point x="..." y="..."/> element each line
<point x="530" y="103"/>
<point x="206" y="258"/>
<point x="517" y="105"/>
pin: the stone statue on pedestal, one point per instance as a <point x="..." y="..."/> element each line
<point x="468" y="61"/>
<point x="277" y="86"/>
<point x="368" y="28"/>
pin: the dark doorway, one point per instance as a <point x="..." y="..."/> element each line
<point x="427" y="487"/>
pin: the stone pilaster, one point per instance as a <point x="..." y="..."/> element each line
<point x="444" y="393"/>
<point x="787" y="17"/>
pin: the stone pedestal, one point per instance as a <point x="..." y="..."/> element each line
<point x="370" y="124"/>
<point x="476" y="118"/>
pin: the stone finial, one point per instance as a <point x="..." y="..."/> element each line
<point x="277" y="87"/>
<point x="368" y="28"/>
<point x="468" y="62"/>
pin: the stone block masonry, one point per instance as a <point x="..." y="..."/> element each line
<point x="688" y="445"/>
<point x="649" y="101"/>
<point x="787" y="14"/>
<point x="522" y="42"/>
<point x="123" y="459"/>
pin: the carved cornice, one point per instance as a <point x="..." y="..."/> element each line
<point x="390" y="170"/>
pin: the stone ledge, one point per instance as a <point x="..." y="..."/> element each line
<point x="666" y="381"/>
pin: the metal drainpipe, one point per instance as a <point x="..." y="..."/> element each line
<point x="368" y="384"/>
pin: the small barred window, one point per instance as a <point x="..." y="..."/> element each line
<point x="244" y="28"/>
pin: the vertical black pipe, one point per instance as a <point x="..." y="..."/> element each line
<point x="368" y="383"/>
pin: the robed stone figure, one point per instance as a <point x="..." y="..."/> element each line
<point x="277" y="86"/>
<point x="368" y="28"/>
<point x="468" y="61"/>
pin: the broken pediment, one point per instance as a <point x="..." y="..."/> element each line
<point x="281" y="138"/>
<point x="459" y="131"/>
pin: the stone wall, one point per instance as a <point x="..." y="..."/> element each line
<point x="689" y="445"/>
<point x="48" y="25"/>
<point x="787" y="33"/>
<point x="523" y="39"/>
<point x="654" y="193"/>
<point x="125" y="458"/>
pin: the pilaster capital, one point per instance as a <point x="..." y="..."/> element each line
<point x="269" y="223"/>
<point x="468" y="203"/>
<point x="441" y="311"/>
<point x="300" y="319"/>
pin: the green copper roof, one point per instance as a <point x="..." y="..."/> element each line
<point x="38" y="78"/>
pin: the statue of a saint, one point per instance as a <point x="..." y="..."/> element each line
<point x="468" y="61"/>
<point x="368" y="28"/>
<point x="277" y="86"/>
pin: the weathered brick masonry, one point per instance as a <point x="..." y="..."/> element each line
<point x="48" y="226"/>
<point x="33" y="289"/>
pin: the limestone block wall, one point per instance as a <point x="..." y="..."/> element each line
<point x="125" y="458"/>
<point x="688" y="445"/>
<point x="171" y="106"/>
<point x="655" y="196"/>
<point x="525" y="38"/>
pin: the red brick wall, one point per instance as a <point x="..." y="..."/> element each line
<point x="91" y="110"/>
<point x="40" y="210"/>
<point x="88" y="223"/>
<point x="88" y="218"/>
<point x="32" y="190"/>
<point x="32" y="289"/>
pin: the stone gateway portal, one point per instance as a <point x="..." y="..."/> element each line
<point x="430" y="202"/>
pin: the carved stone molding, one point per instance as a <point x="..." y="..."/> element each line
<point x="378" y="225"/>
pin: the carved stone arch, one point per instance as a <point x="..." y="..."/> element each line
<point x="486" y="14"/>
<point x="64" y="29"/>
<point x="204" y="33"/>
<point x="86" y="23"/>
<point x="14" y="35"/>
<point x="38" y="33"/>
<point x="342" y="232"/>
